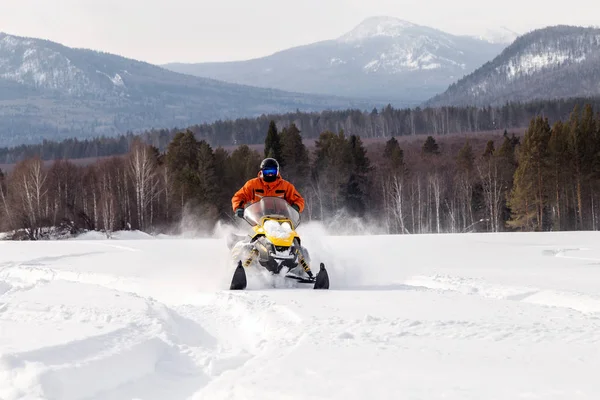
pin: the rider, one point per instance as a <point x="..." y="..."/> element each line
<point x="268" y="183"/>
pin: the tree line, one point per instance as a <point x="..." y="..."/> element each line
<point x="548" y="179"/>
<point x="378" y="123"/>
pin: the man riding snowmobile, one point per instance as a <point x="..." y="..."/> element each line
<point x="269" y="183"/>
<point x="269" y="191"/>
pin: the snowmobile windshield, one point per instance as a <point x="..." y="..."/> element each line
<point x="272" y="207"/>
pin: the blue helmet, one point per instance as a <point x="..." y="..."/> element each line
<point x="269" y="168"/>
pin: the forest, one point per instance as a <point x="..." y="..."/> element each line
<point x="378" y="123"/>
<point x="546" y="179"/>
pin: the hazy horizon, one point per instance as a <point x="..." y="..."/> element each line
<point x="188" y="31"/>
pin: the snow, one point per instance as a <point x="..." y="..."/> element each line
<point x="409" y="57"/>
<point x="529" y="63"/>
<point x="116" y="80"/>
<point x="119" y="235"/>
<point x="35" y="64"/>
<point x="277" y="230"/>
<point x="379" y="26"/>
<point x="463" y="316"/>
<point x="501" y="35"/>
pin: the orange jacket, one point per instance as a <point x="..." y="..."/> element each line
<point x="256" y="188"/>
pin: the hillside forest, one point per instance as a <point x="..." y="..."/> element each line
<point x="385" y="122"/>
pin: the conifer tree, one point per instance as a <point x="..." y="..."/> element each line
<point x="430" y="147"/>
<point x="577" y="148"/>
<point x="489" y="149"/>
<point x="273" y="144"/>
<point x="529" y="197"/>
<point x="465" y="159"/>
<point x="207" y="189"/>
<point x="561" y="171"/>
<point x="182" y="164"/>
<point x="358" y="184"/>
<point x="331" y="170"/>
<point x="295" y="154"/>
<point x="394" y="156"/>
<point x="224" y="181"/>
<point x="244" y="164"/>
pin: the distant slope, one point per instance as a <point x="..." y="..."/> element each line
<point x="549" y="63"/>
<point x="502" y="35"/>
<point x="383" y="58"/>
<point x="49" y="91"/>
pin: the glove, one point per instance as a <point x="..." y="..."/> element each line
<point x="295" y="207"/>
<point x="240" y="212"/>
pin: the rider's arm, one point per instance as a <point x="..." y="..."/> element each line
<point x="293" y="196"/>
<point x="242" y="196"/>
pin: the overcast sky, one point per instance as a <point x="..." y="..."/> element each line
<point x="222" y="30"/>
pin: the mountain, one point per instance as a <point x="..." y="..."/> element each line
<point x="501" y="35"/>
<point x="49" y="91"/>
<point x="549" y="63"/>
<point x="383" y="58"/>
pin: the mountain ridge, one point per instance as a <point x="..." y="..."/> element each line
<point x="548" y="63"/>
<point x="382" y="58"/>
<point x="54" y="91"/>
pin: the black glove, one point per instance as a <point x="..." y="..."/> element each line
<point x="295" y="207"/>
<point x="240" y="212"/>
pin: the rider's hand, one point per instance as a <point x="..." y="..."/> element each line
<point x="240" y="212"/>
<point x="295" y="207"/>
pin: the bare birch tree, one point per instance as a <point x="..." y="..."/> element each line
<point x="142" y="169"/>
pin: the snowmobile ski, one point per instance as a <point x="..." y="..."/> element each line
<point x="238" y="282"/>
<point x="322" y="279"/>
<point x="300" y="279"/>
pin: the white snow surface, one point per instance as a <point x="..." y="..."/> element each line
<point x="377" y="26"/>
<point x="527" y="64"/>
<point x="463" y="316"/>
<point x="502" y="35"/>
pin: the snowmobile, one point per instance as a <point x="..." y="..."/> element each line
<point x="274" y="245"/>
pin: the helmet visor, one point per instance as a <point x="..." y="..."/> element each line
<point x="269" y="171"/>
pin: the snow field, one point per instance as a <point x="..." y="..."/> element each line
<point x="472" y="316"/>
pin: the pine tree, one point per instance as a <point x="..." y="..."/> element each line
<point x="529" y="197"/>
<point x="295" y="154"/>
<point x="430" y="147"/>
<point x="182" y="165"/>
<point x="243" y="165"/>
<point x="207" y="189"/>
<point x="577" y="144"/>
<point x="489" y="149"/>
<point x="224" y="180"/>
<point x="357" y="187"/>
<point x="331" y="170"/>
<point x="273" y="144"/>
<point x="466" y="159"/>
<point x="394" y="157"/>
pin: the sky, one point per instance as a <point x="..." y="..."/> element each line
<point x="198" y="30"/>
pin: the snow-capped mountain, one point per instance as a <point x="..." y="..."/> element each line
<point x="554" y="62"/>
<point x="502" y="35"/>
<point x="382" y="58"/>
<point x="49" y="91"/>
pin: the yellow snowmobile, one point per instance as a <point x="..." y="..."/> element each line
<point x="274" y="244"/>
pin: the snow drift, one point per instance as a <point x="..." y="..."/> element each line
<point x="426" y="316"/>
